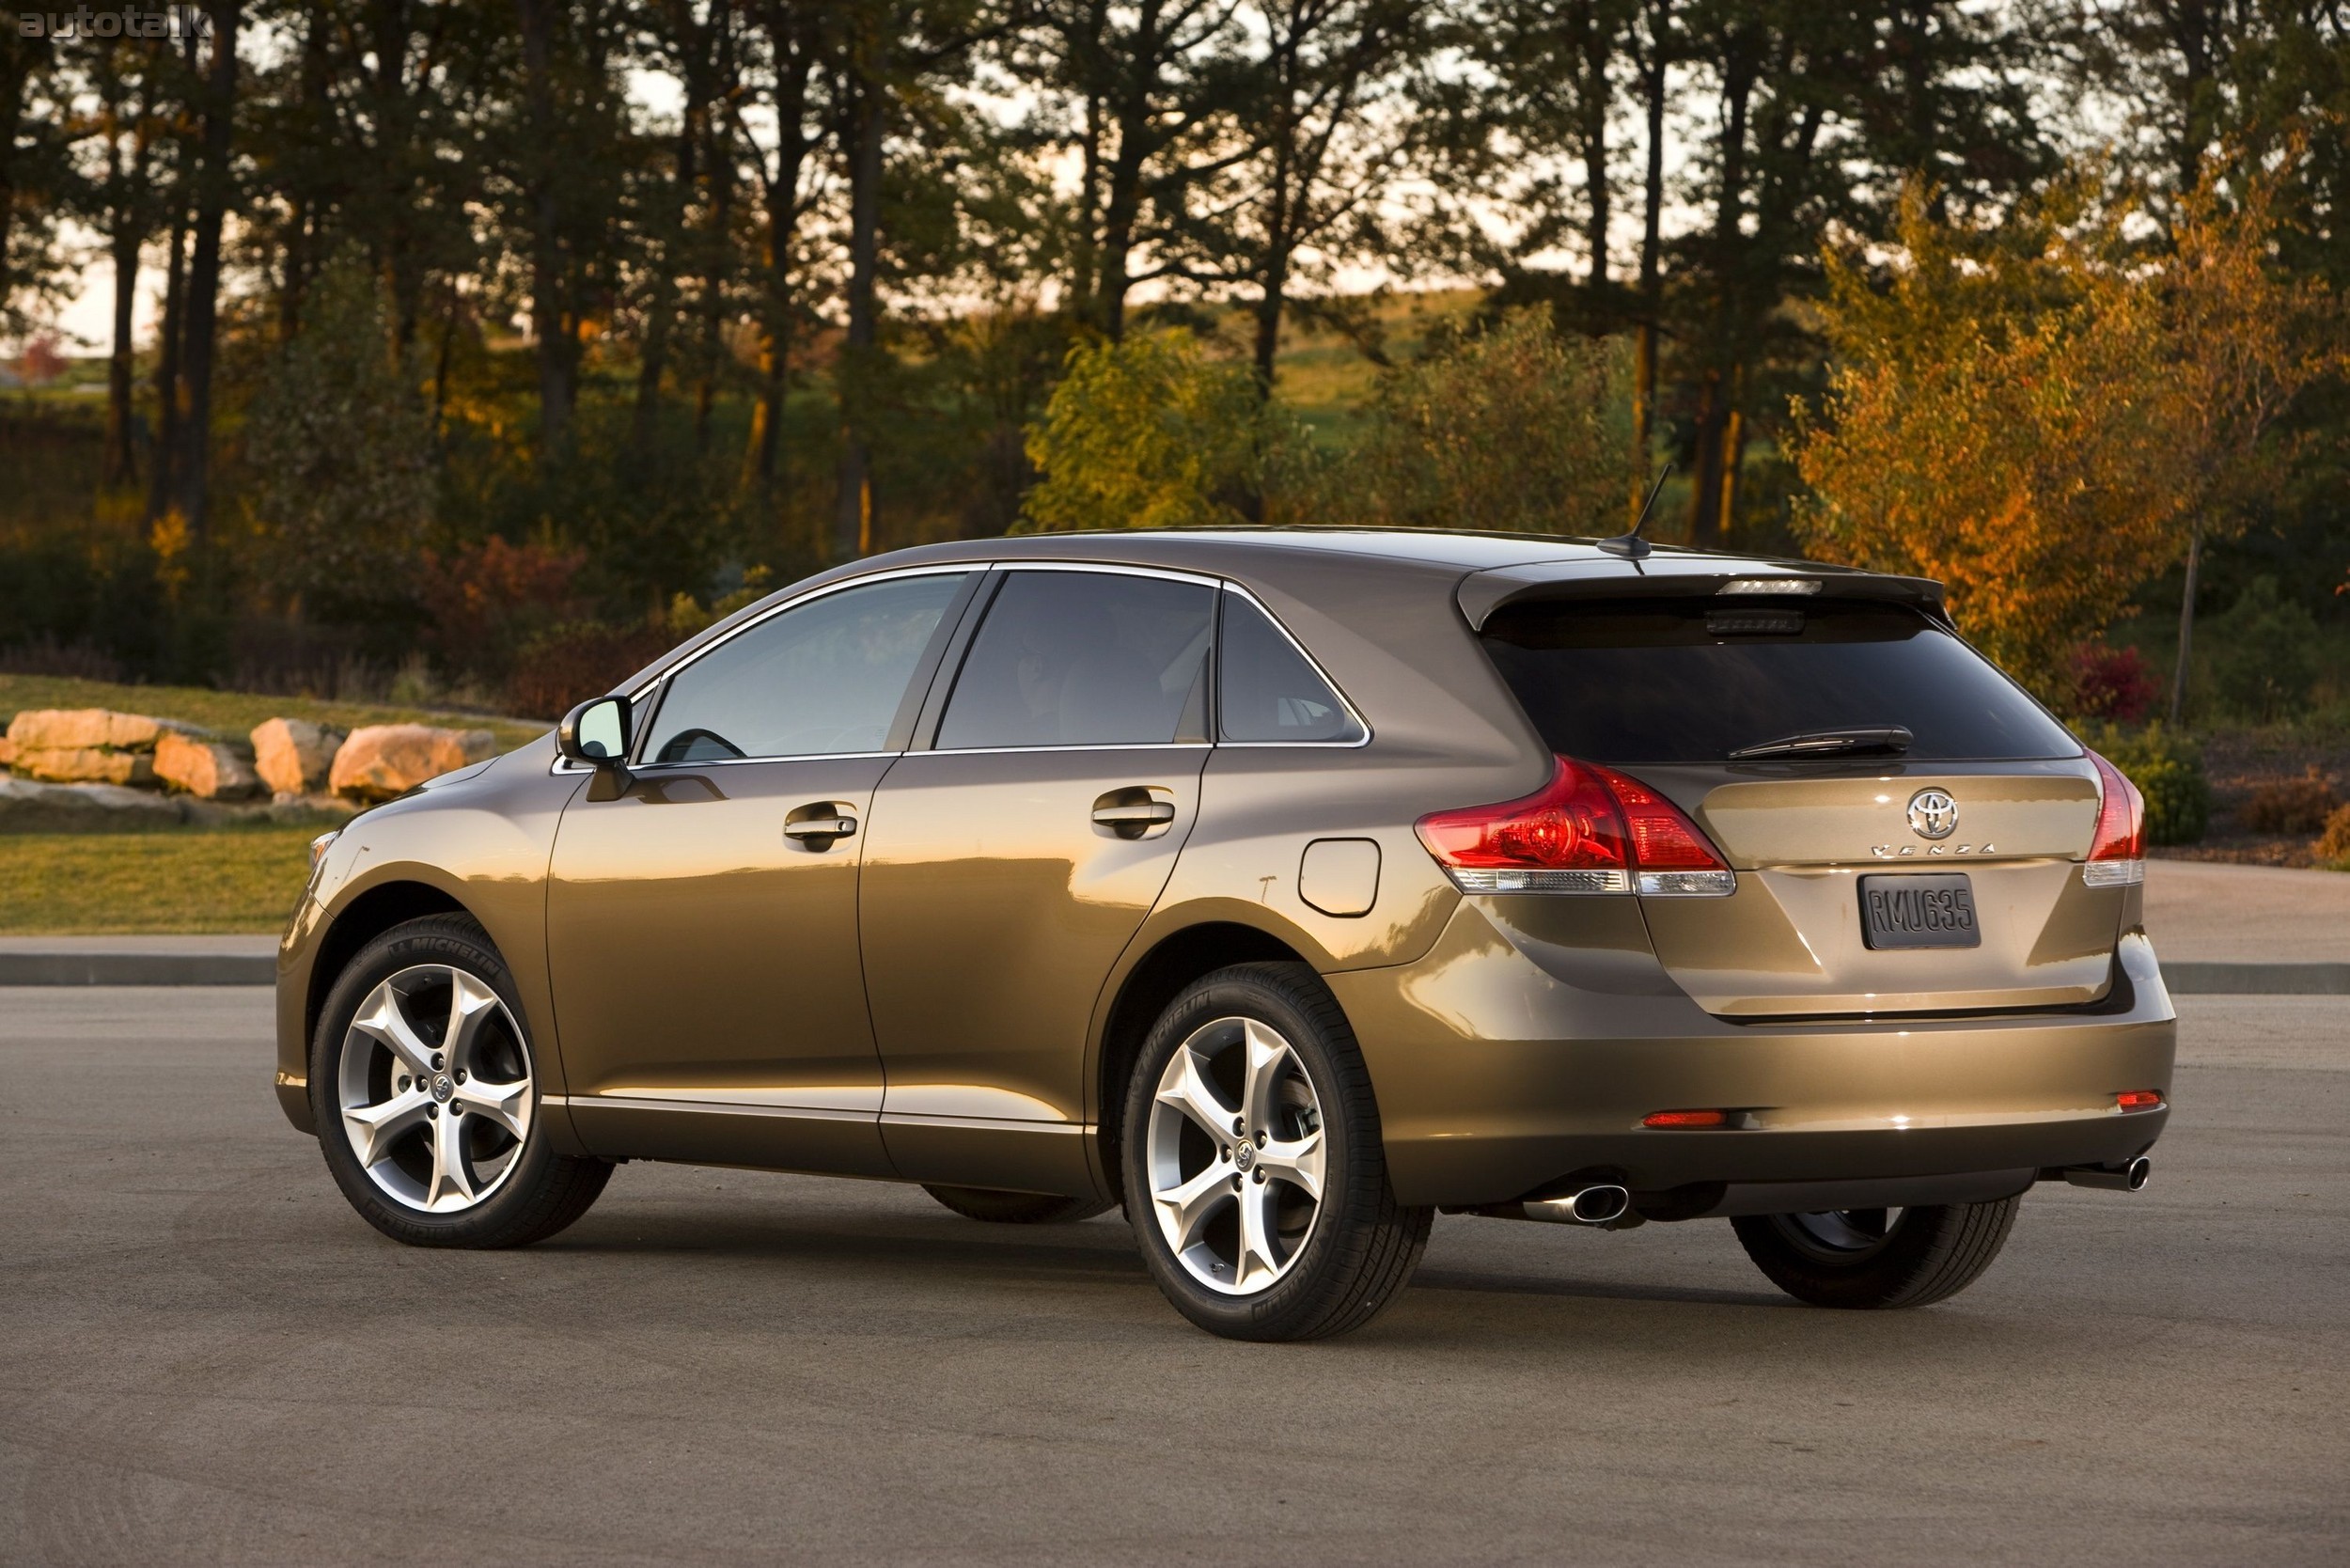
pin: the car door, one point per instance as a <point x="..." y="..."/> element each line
<point x="702" y="915"/>
<point x="1012" y="858"/>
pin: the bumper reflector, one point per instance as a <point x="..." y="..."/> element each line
<point x="2137" y="1098"/>
<point x="1687" y="1119"/>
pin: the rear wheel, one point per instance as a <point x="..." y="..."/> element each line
<point x="425" y="1089"/>
<point x="1878" y="1257"/>
<point x="1016" y="1208"/>
<point x="1256" y="1180"/>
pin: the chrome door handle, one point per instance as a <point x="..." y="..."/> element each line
<point x="826" y="822"/>
<point x="1141" y="815"/>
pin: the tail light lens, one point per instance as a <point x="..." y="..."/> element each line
<point x="1589" y="830"/>
<point x="2117" y="856"/>
<point x="2138" y="1099"/>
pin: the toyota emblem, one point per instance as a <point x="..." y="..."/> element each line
<point x="1933" y="814"/>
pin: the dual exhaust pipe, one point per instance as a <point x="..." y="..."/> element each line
<point x="1606" y="1203"/>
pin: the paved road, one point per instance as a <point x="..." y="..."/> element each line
<point x="204" y="1357"/>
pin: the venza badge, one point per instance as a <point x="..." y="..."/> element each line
<point x="1933" y="814"/>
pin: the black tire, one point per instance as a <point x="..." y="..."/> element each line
<point x="538" y="1191"/>
<point x="1361" y="1246"/>
<point x="1017" y="1208"/>
<point x="1924" y="1257"/>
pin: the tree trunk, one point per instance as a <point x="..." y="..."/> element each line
<point x="122" y="457"/>
<point x="167" y="410"/>
<point x="1595" y="103"/>
<point x="2186" y="626"/>
<point x="652" y="354"/>
<point x="1652" y="259"/>
<point x="853" y="506"/>
<point x="1716" y="391"/>
<point x="193" y="480"/>
<point x="551" y="326"/>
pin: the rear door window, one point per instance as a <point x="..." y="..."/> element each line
<point x="1691" y="680"/>
<point x="1085" y="658"/>
<point x="1266" y="690"/>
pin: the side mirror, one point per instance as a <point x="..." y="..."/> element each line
<point x="595" y="732"/>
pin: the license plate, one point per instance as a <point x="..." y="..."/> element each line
<point x="1916" y="911"/>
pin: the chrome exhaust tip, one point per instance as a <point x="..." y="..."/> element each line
<point x="1600" y="1205"/>
<point x="2130" y="1177"/>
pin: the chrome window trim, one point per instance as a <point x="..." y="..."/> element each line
<point x="562" y="765"/>
<point x="635" y="761"/>
<point x="1312" y="663"/>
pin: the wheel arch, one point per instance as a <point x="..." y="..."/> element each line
<point x="361" y="921"/>
<point x="1173" y="961"/>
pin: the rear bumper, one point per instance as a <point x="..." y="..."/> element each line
<point x="1506" y="1067"/>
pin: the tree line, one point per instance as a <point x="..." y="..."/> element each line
<point x="682" y="287"/>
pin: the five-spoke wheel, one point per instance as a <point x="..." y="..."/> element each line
<point x="1255" y="1177"/>
<point x="435" y="1089"/>
<point x="423" y="1084"/>
<point x="1235" y="1155"/>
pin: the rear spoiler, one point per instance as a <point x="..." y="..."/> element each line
<point x="1678" y="576"/>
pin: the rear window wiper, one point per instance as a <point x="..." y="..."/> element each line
<point x="1830" y="743"/>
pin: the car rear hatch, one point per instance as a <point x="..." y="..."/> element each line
<point x="1907" y="826"/>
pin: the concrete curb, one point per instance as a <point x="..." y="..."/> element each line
<point x="2214" y="978"/>
<point x="136" y="969"/>
<point x="2185" y="978"/>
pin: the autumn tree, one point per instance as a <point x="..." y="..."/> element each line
<point x="2041" y="415"/>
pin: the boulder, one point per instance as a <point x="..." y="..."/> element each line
<point x="27" y="807"/>
<point x="381" y="760"/>
<point x="292" y="756"/>
<point x="85" y="729"/>
<point x="7" y="752"/>
<point x="204" y="769"/>
<point x="85" y="765"/>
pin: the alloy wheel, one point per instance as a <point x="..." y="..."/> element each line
<point x="1235" y="1156"/>
<point x="435" y="1088"/>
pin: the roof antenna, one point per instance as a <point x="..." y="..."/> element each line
<point x="1631" y="546"/>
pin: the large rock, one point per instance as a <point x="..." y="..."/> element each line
<point x="25" y="806"/>
<point x="85" y="765"/>
<point x="204" y="769"/>
<point x="86" y="729"/>
<point x="381" y="760"/>
<point x="293" y="756"/>
<point x="7" y="752"/>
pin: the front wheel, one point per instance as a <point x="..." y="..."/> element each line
<point x="1878" y="1257"/>
<point x="425" y="1089"/>
<point x="1256" y="1180"/>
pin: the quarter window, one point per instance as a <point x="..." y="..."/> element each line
<point x="822" y="679"/>
<point x="1269" y="691"/>
<point x="1085" y="658"/>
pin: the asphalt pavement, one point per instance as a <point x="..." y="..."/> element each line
<point x="206" y="1357"/>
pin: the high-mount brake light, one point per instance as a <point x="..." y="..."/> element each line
<point x="1769" y="585"/>
<point x="1687" y="1119"/>
<point x="1589" y="830"/>
<point x="2117" y="856"/>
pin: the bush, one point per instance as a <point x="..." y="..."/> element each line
<point x="2333" y="845"/>
<point x="2113" y="683"/>
<point x="1148" y="432"/>
<point x="2263" y="655"/>
<point x="566" y="664"/>
<point x="2292" y="805"/>
<point x="2168" y="769"/>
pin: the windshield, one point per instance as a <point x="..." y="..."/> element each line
<point x="1694" y="680"/>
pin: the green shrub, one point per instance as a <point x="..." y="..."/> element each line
<point x="2263" y="655"/>
<point x="2168" y="769"/>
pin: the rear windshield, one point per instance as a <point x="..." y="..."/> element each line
<point x="1691" y="680"/>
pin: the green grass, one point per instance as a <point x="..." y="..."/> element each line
<point x="235" y="714"/>
<point x="240" y="879"/>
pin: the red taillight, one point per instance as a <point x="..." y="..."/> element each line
<point x="1589" y="830"/>
<point x="2137" y="1098"/>
<point x="2117" y="856"/>
<point x="1685" y="1119"/>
